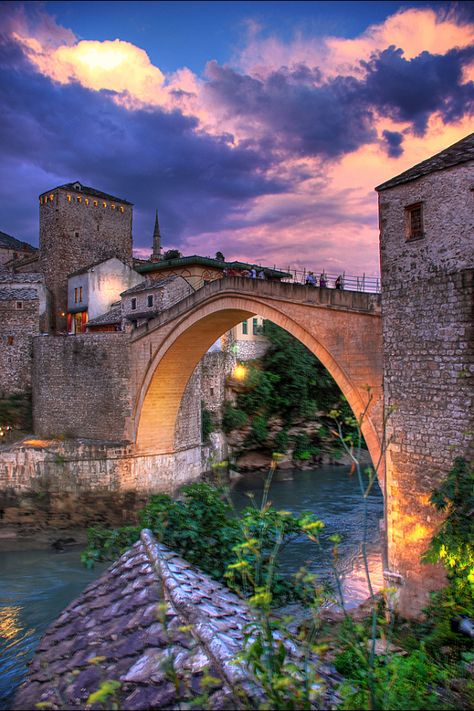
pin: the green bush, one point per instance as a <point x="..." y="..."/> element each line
<point x="207" y="423"/>
<point x="259" y="432"/>
<point x="233" y="418"/>
<point x="281" y="441"/>
<point x="16" y="412"/>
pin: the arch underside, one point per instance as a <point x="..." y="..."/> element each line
<point x="179" y="353"/>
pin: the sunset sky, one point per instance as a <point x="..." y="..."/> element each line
<point x="256" y="128"/>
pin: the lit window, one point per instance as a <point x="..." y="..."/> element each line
<point x="113" y="207"/>
<point x="150" y="300"/>
<point x="69" y="198"/>
<point x="80" y="294"/>
<point x="104" y="204"/>
<point x="19" y="304"/>
<point x="75" y="294"/>
<point x="134" y="304"/>
<point x="245" y="327"/>
<point x="96" y="204"/>
<point x="255" y="326"/>
<point x="86" y="200"/>
<point x="79" y="198"/>
<point x="51" y="197"/>
<point x="414" y="221"/>
<point x="121" y="208"/>
<point x="41" y="200"/>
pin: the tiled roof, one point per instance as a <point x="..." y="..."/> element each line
<point x="207" y="262"/>
<point x="115" y="630"/>
<point x="111" y="317"/>
<point x="84" y="270"/>
<point x="9" y="242"/>
<point x="28" y="278"/>
<point x="459" y="152"/>
<point x="149" y="285"/>
<point x="86" y="190"/>
<point x="136" y="315"/>
<point x="18" y="294"/>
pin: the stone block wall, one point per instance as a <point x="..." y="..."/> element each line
<point x="215" y="367"/>
<point x="427" y="317"/>
<point x="75" y="234"/>
<point x="188" y="421"/>
<point x="17" y="329"/>
<point x="81" y="386"/>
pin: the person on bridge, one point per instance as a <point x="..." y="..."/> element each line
<point x="311" y="280"/>
<point x="261" y="275"/>
<point x="338" y="283"/>
<point x="323" y="281"/>
<point x="253" y="273"/>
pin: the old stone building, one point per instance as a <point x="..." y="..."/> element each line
<point x="24" y="313"/>
<point x="79" y="225"/>
<point x="427" y="259"/>
<point x="93" y="289"/>
<point x="12" y="249"/>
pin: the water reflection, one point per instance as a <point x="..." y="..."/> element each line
<point x="34" y="587"/>
<point x="333" y="496"/>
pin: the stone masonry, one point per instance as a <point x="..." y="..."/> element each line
<point x="76" y="221"/>
<point x="427" y="317"/>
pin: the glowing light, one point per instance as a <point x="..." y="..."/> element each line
<point x="239" y="372"/>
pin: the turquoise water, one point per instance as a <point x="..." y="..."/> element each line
<point x="36" y="585"/>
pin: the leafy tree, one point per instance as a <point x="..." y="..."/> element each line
<point x="172" y="254"/>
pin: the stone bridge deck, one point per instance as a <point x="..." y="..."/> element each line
<point x="263" y="289"/>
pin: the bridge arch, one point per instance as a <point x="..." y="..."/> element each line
<point x="188" y="338"/>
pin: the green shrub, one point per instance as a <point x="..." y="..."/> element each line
<point x="259" y="432"/>
<point x="233" y="418"/>
<point x="281" y="441"/>
<point x="207" y="423"/>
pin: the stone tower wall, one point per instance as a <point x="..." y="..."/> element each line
<point x="77" y="232"/>
<point x="427" y="309"/>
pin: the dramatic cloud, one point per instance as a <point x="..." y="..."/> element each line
<point x="271" y="157"/>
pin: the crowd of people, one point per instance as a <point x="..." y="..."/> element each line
<point x="312" y="280"/>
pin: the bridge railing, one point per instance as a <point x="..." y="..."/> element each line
<point x="367" y="284"/>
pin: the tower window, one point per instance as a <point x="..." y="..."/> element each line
<point x="255" y="326"/>
<point x="19" y="304"/>
<point x="150" y="300"/>
<point x="76" y="234"/>
<point x="75" y="295"/>
<point x="51" y="197"/>
<point x="79" y="198"/>
<point x="134" y="304"/>
<point x="80" y="294"/>
<point x="69" y="198"/>
<point x="104" y="204"/>
<point x="96" y="204"/>
<point x="10" y="340"/>
<point x="86" y="200"/>
<point x="414" y="221"/>
<point x="245" y="327"/>
<point x="113" y="207"/>
<point x="121" y="208"/>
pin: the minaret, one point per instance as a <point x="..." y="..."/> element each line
<point x="156" y="254"/>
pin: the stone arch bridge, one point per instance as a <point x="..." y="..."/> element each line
<point x="341" y="328"/>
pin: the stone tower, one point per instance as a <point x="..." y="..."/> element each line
<point x="427" y="260"/>
<point x="79" y="225"/>
<point x="156" y="255"/>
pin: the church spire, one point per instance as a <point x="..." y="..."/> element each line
<point x="156" y="254"/>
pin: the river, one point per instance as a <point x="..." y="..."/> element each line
<point x="35" y="585"/>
